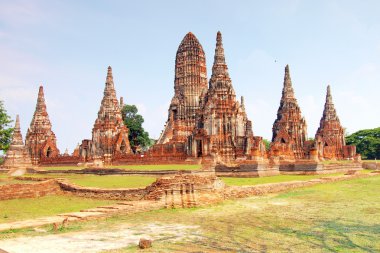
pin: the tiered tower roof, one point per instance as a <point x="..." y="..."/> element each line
<point x="190" y="85"/>
<point x="330" y="134"/>
<point x="40" y="139"/>
<point x="109" y="134"/>
<point x="290" y="127"/>
<point x="17" y="156"/>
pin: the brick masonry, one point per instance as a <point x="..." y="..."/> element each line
<point x="32" y="190"/>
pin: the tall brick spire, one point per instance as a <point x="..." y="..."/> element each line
<point x="17" y="155"/>
<point x="190" y="84"/>
<point x="222" y="130"/>
<point x="40" y="139"/>
<point x="17" y="136"/>
<point x="110" y="104"/>
<point x="329" y="112"/>
<point x="330" y="134"/>
<point x="289" y="129"/>
<point x="220" y="74"/>
<point x="287" y="91"/>
<point x="109" y="134"/>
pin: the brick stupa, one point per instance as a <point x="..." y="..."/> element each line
<point x="190" y="83"/>
<point x="17" y="156"/>
<point x="223" y="129"/>
<point x="109" y="134"/>
<point x="289" y="129"/>
<point x="40" y="139"/>
<point x="329" y="138"/>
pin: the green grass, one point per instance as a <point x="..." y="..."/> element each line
<point x="335" y="217"/>
<point x="152" y="167"/>
<point x="5" y="179"/>
<point x="159" y="167"/>
<point x="275" y="179"/>
<point x="337" y="161"/>
<point x="107" y="181"/>
<point x="111" y="181"/>
<point x="22" y="209"/>
<point x="63" y="168"/>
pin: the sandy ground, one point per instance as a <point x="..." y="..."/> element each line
<point x="97" y="241"/>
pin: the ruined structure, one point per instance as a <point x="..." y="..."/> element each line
<point x="109" y="134"/>
<point x="222" y="128"/>
<point x="17" y="155"/>
<point x="206" y="124"/>
<point x="289" y="129"/>
<point x="329" y="139"/>
<point x="40" y="139"/>
<point x="190" y="84"/>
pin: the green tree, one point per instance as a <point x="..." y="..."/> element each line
<point x="367" y="142"/>
<point x="138" y="137"/>
<point x="267" y="144"/>
<point x="5" y="129"/>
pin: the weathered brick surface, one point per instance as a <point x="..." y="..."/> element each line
<point x="186" y="190"/>
<point x="289" y="129"/>
<point x="190" y="83"/>
<point x="92" y="192"/>
<point x="329" y="139"/>
<point x="17" y="155"/>
<point x="32" y="190"/>
<point x="40" y="139"/>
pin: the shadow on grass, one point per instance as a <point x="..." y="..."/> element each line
<point x="335" y="236"/>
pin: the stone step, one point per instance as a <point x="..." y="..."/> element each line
<point x="81" y="215"/>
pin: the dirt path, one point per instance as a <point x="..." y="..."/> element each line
<point x="97" y="241"/>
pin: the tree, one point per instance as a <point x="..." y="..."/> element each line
<point x="5" y="129"/>
<point x="138" y="137"/>
<point x="367" y="142"/>
<point x="267" y="144"/>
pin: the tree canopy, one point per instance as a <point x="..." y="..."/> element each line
<point x="5" y="128"/>
<point x="267" y="144"/>
<point x="138" y="137"/>
<point x="367" y="142"/>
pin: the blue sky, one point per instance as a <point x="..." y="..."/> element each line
<point x="67" y="46"/>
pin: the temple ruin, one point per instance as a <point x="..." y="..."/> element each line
<point x="109" y="134"/>
<point x="17" y="155"/>
<point x="206" y="124"/>
<point x="222" y="129"/>
<point x="40" y="138"/>
<point x="190" y="85"/>
<point x="329" y="139"/>
<point x="289" y="129"/>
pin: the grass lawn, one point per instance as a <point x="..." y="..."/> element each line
<point x="337" y="161"/>
<point x="63" y="168"/>
<point x="107" y="181"/>
<point x="275" y="179"/>
<point x="111" y="181"/>
<point x="5" y="179"/>
<point x="335" y="217"/>
<point x="159" y="167"/>
<point x="135" y="167"/>
<point x="22" y="209"/>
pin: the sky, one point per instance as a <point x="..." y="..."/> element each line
<point x="67" y="46"/>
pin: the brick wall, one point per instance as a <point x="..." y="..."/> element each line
<point x="92" y="192"/>
<point x="32" y="190"/>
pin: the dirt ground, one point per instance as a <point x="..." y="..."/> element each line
<point x="97" y="240"/>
